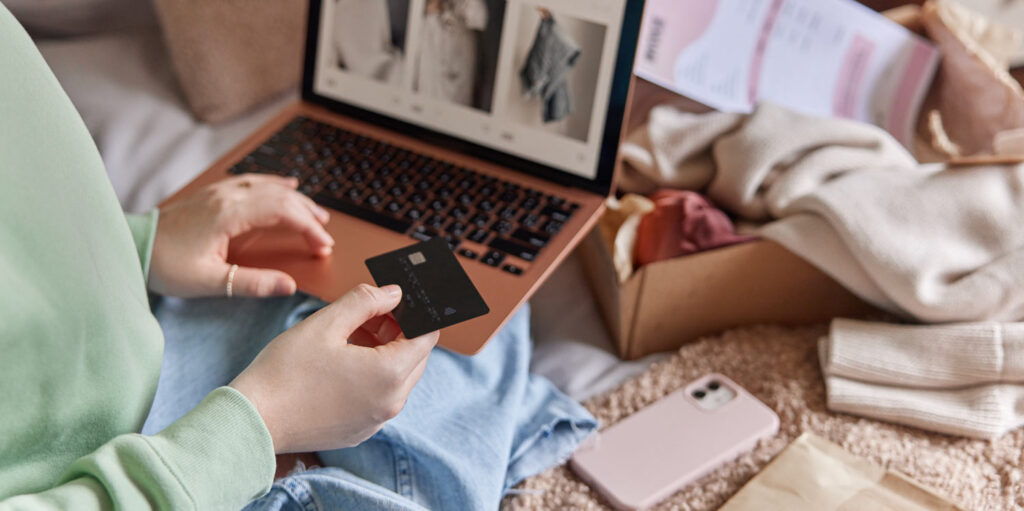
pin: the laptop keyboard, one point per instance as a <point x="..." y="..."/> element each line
<point x="413" y="194"/>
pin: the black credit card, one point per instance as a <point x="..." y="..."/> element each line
<point x="436" y="292"/>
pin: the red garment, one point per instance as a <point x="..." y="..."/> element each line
<point x="682" y="223"/>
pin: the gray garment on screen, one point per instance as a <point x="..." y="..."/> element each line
<point x="547" y="67"/>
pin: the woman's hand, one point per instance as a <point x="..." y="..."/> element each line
<point x="316" y="391"/>
<point x="191" y="247"/>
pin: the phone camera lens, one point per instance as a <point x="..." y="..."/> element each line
<point x="714" y="385"/>
<point x="699" y="394"/>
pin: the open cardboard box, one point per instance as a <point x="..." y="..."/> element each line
<point x="669" y="303"/>
<point x="666" y="304"/>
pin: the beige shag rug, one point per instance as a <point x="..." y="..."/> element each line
<point x="780" y="367"/>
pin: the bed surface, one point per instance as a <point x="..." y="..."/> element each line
<point x="125" y="90"/>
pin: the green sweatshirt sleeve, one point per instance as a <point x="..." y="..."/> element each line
<point x="143" y="229"/>
<point x="172" y="469"/>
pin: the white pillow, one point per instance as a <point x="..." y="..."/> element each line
<point x="68" y="18"/>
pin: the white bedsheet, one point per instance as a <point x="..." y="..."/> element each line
<point x="125" y="90"/>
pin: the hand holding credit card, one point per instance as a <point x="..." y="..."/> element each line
<point x="436" y="292"/>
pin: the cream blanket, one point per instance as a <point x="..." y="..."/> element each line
<point x="934" y="244"/>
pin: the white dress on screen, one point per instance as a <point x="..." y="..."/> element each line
<point x="362" y="40"/>
<point x="447" y="63"/>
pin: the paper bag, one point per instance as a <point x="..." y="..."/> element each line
<point x="815" y="474"/>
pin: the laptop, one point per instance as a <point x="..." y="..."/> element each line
<point x="494" y="124"/>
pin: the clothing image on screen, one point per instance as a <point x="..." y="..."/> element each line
<point x="368" y="38"/>
<point x="458" y="43"/>
<point x="559" y="58"/>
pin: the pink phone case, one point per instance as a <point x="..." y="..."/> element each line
<point x="649" y="456"/>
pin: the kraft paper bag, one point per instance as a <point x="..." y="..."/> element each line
<point x="815" y="474"/>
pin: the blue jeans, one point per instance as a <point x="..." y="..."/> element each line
<point x="472" y="428"/>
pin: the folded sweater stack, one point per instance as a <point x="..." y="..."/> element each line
<point x="963" y="379"/>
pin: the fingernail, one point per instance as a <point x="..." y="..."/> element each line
<point x="392" y="290"/>
<point x="326" y="251"/>
<point x="283" y="288"/>
<point x="322" y="214"/>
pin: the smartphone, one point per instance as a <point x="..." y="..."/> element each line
<point x="659" y="450"/>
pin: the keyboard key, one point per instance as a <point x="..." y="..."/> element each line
<point x="556" y="214"/>
<point x="529" y="220"/>
<point x="376" y="184"/>
<point x="435" y="221"/>
<point x="397" y="191"/>
<point x="502" y="226"/>
<point x="529" y="204"/>
<point x="414" y="214"/>
<point x="393" y="207"/>
<point x="267" y="150"/>
<point x="423" y="233"/>
<point x="264" y="162"/>
<point x="486" y="205"/>
<point x="418" y="198"/>
<point x="467" y="253"/>
<point x="457" y="229"/>
<point x="438" y="205"/>
<point x="511" y="247"/>
<point x="481" y="220"/>
<point x="531" y="238"/>
<point x="507" y="213"/>
<point x="369" y="215"/>
<point x="552" y="227"/>
<point x="373" y="200"/>
<point x="478" y="236"/>
<point x="458" y="212"/>
<point x="493" y="258"/>
<point x="514" y="270"/>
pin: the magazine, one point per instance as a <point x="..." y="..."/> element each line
<point x="819" y="57"/>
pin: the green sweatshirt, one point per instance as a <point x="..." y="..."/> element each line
<point x="79" y="349"/>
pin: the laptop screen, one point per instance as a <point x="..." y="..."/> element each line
<point x="528" y="78"/>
